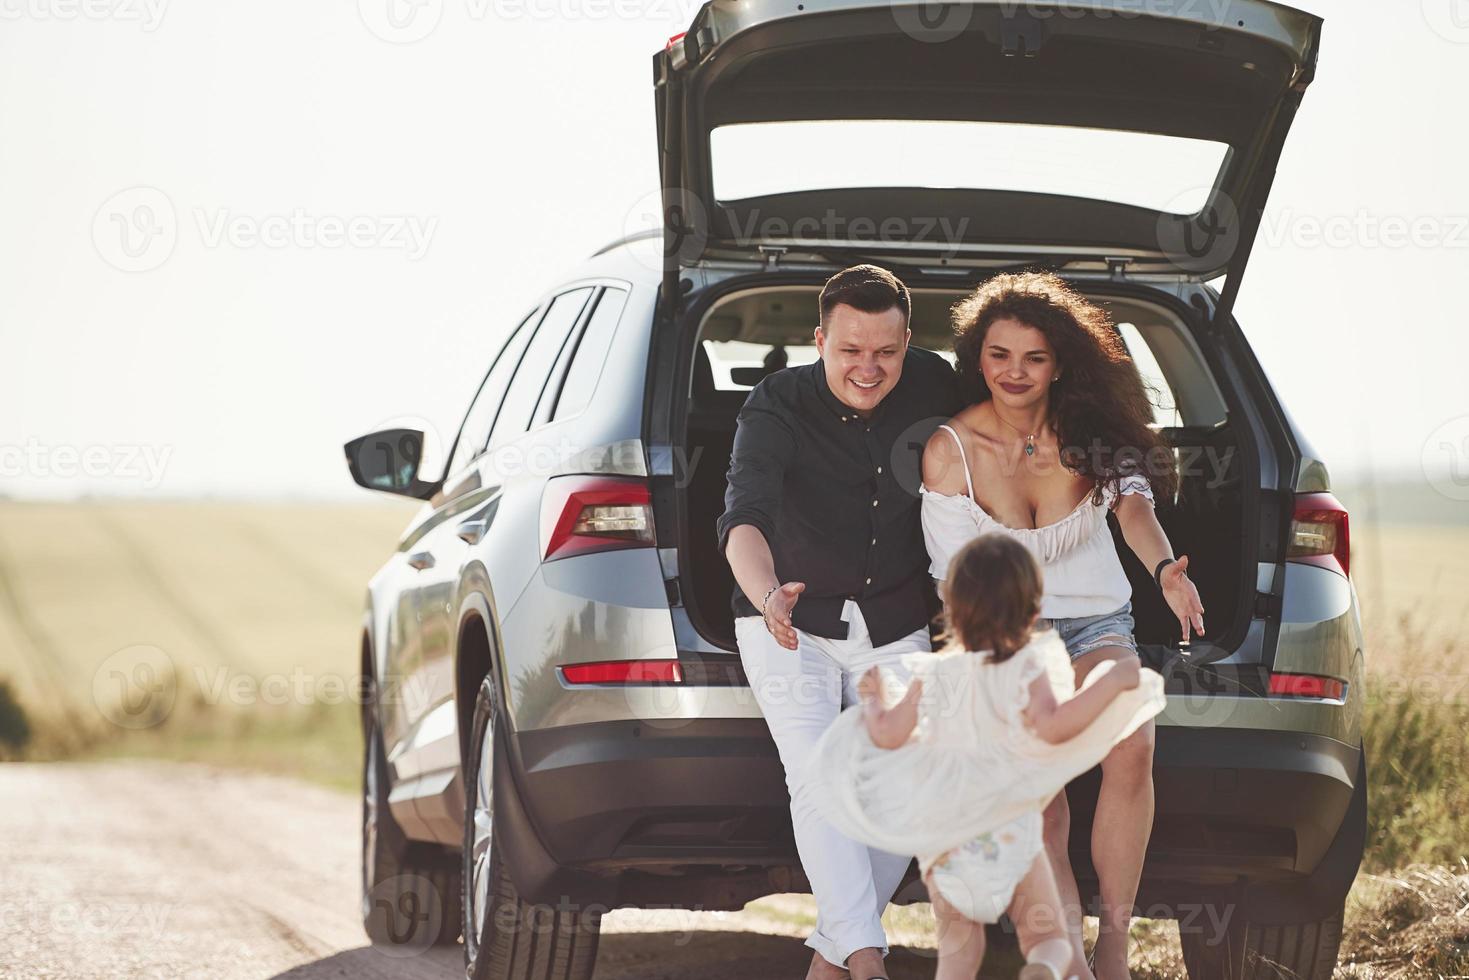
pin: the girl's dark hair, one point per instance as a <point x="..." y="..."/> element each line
<point x="1099" y="409"/>
<point x="992" y="595"/>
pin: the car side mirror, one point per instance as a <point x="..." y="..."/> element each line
<point x="389" y="461"/>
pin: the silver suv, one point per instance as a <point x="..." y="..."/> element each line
<point x="560" y="723"/>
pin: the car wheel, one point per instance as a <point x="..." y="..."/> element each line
<point x="410" y="890"/>
<point x="1307" y="951"/>
<point x="506" y="938"/>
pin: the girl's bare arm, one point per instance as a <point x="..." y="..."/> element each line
<point x="888" y="727"/>
<point x="1056" y="723"/>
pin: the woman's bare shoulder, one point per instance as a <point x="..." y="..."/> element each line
<point x="943" y="460"/>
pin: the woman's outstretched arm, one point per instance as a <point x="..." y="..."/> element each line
<point x="1145" y="536"/>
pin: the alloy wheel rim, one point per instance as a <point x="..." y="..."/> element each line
<point x="483" y="820"/>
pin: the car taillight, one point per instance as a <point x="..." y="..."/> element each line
<point x="624" y="672"/>
<point x="1318" y="533"/>
<point x="1306" y="686"/>
<point x="584" y="514"/>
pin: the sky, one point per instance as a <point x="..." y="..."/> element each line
<point x="347" y="204"/>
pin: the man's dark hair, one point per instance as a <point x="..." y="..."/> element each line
<point x="866" y="288"/>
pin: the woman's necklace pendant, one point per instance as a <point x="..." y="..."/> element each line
<point x="1030" y="445"/>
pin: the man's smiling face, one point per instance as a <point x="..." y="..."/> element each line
<point x="862" y="354"/>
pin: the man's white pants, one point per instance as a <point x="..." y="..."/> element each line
<point x="801" y="692"/>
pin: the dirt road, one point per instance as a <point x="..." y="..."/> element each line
<point x="155" y="869"/>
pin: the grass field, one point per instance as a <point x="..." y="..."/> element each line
<point x="231" y="597"/>
<point x="223" y="594"/>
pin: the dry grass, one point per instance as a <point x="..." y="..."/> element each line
<point x="1412" y="923"/>
<point x="1416" y="733"/>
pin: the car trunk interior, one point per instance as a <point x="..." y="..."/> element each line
<point x="747" y="334"/>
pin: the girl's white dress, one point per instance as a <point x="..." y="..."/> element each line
<point x="966" y="791"/>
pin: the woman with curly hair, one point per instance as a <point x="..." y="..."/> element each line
<point x="1057" y="433"/>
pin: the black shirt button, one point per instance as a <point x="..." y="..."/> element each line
<point x="879" y="469"/>
<point x="874" y="503"/>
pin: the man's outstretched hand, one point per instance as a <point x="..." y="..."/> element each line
<point x="778" y="613"/>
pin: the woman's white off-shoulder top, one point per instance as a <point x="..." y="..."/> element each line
<point x="1083" y="575"/>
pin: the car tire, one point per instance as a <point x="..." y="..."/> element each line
<point x="410" y="890"/>
<point x="1306" y="951"/>
<point x="506" y="938"/>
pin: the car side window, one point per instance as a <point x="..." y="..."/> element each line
<point x="1160" y="392"/>
<point x="591" y="354"/>
<point x="535" y="366"/>
<point x="474" y="433"/>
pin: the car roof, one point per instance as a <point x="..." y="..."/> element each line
<point x="636" y="258"/>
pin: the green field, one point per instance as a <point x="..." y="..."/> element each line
<point x="255" y="607"/>
<point x="214" y="598"/>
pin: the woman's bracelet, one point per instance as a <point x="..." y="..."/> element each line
<point x="767" y="598"/>
<point x="1158" y="571"/>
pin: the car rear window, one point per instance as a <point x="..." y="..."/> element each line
<point x="1163" y="173"/>
<point x="591" y="354"/>
<point x="535" y="365"/>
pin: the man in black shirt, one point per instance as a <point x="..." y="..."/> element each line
<point x="821" y="528"/>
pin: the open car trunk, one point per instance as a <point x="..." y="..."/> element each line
<point x="746" y="334"/>
<point x="1218" y="84"/>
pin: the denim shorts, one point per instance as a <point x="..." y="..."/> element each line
<point x="1083" y="634"/>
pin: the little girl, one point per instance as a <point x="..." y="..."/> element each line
<point x="960" y="769"/>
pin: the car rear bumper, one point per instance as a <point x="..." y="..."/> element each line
<point x="693" y="814"/>
<point x="629" y="794"/>
<point x="708" y="799"/>
<point x="1276" y="820"/>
